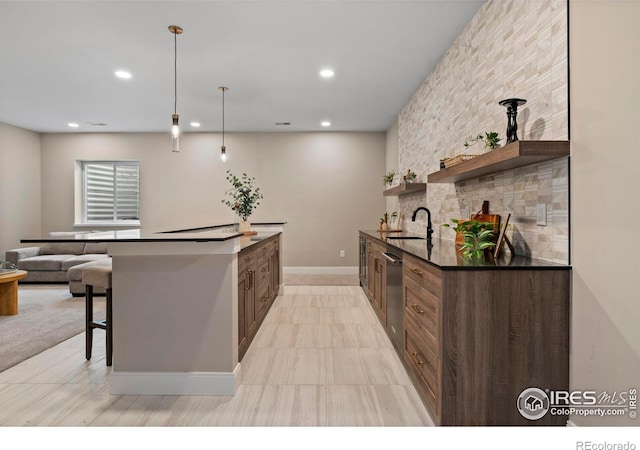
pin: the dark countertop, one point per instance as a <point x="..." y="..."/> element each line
<point x="200" y="234"/>
<point x="443" y="254"/>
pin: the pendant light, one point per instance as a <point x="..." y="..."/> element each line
<point x="175" y="128"/>
<point x="223" y="149"/>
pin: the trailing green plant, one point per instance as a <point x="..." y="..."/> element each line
<point x="389" y="177"/>
<point x="478" y="236"/>
<point x="243" y="198"/>
<point x="490" y="139"/>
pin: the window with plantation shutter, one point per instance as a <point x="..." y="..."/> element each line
<point x="111" y="191"/>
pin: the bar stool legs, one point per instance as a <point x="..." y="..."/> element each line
<point x="106" y="325"/>
<point x="109" y="329"/>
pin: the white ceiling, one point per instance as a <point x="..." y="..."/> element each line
<point x="58" y="60"/>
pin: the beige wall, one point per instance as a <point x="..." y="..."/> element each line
<point x="325" y="185"/>
<point x="393" y="203"/>
<point x="19" y="186"/>
<point x="605" y="182"/>
<point x="511" y="48"/>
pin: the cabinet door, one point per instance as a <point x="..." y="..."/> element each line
<point x="263" y="288"/>
<point x="371" y="270"/>
<point x="246" y="294"/>
<point x="275" y="273"/>
<point x="251" y="318"/>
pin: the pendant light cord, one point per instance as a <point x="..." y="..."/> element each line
<point x="175" y="72"/>
<point x="223" y="117"/>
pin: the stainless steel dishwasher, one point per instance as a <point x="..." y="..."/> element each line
<point x="395" y="328"/>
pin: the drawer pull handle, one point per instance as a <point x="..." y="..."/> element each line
<point x="417" y="361"/>
<point x="416" y="271"/>
<point x="417" y="309"/>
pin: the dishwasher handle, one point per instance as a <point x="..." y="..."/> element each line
<point x="393" y="259"/>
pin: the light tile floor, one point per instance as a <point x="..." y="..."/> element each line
<point x="320" y="358"/>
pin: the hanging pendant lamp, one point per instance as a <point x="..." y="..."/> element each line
<point x="175" y="128"/>
<point x="223" y="149"/>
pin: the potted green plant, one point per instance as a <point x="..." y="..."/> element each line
<point x="384" y="220"/>
<point x="410" y="177"/>
<point x="389" y="177"/>
<point x="490" y="139"/>
<point x="243" y="198"/>
<point x="478" y="237"/>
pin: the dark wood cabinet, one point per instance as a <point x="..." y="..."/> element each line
<point x="247" y="324"/>
<point x="475" y="339"/>
<point x="258" y="284"/>
<point x="374" y="281"/>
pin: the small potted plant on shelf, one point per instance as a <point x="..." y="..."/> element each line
<point x="410" y="177"/>
<point x="478" y="237"/>
<point x="385" y="219"/>
<point x="243" y="198"/>
<point x="490" y="139"/>
<point x="389" y="177"/>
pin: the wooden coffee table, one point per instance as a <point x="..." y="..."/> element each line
<point x="9" y="291"/>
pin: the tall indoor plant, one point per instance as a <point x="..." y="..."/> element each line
<point x="243" y="198"/>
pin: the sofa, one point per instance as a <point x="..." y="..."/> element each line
<point x="51" y="262"/>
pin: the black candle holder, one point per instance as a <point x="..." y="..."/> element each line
<point x="512" y="112"/>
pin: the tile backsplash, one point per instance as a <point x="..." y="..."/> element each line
<point x="511" y="48"/>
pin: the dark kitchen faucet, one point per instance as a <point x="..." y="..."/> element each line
<point x="429" y="227"/>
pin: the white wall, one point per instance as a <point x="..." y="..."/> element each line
<point x="605" y="182"/>
<point x="325" y="185"/>
<point x="19" y="186"/>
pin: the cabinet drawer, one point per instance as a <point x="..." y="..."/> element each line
<point x="421" y="355"/>
<point x="262" y="301"/>
<point x="424" y="308"/>
<point x="263" y="273"/>
<point x="424" y="365"/>
<point x="424" y="274"/>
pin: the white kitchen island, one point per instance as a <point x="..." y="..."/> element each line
<point x="175" y="309"/>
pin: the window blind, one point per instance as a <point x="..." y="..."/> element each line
<point x="112" y="191"/>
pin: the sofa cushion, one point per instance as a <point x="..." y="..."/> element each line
<point x="95" y="247"/>
<point x="80" y="259"/>
<point x="75" y="272"/>
<point x="62" y="248"/>
<point x="45" y="262"/>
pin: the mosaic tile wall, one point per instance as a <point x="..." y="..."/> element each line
<point x="511" y="48"/>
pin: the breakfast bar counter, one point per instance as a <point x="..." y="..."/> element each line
<point x="175" y="308"/>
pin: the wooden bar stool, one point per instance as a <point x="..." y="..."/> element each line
<point x="98" y="276"/>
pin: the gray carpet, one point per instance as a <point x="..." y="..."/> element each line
<point x="47" y="315"/>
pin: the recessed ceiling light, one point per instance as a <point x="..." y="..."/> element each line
<point x="326" y="123"/>
<point x="326" y="73"/>
<point x="73" y="125"/>
<point x="123" y="74"/>
<point x="195" y="124"/>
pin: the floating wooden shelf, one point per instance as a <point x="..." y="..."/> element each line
<point x="511" y="156"/>
<point x="403" y="189"/>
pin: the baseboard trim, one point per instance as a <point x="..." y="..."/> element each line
<point x="320" y="270"/>
<point x="175" y="383"/>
